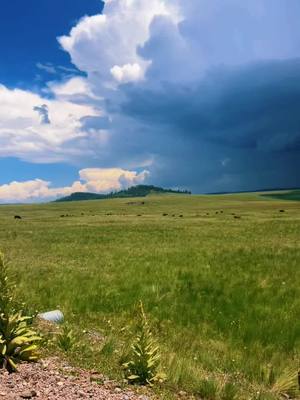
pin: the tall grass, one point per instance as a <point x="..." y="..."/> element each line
<point x="223" y="293"/>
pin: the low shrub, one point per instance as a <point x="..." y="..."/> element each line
<point x="18" y="341"/>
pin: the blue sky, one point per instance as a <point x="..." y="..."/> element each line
<point x="201" y="95"/>
<point x="28" y="32"/>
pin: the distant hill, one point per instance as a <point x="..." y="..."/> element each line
<point x="293" y="195"/>
<point x="257" y="191"/>
<point x="134" y="191"/>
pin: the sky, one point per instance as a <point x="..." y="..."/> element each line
<point x="100" y="96"/>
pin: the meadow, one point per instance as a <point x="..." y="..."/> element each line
<point x="219" y="277"/>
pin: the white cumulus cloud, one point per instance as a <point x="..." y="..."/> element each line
<point x="71" y="89"/>
<point x="110" y="179"/>
<point x="38" y="129"/>
<point x="52" y="127"/>
<point x="97" y="180"/>
<point x="106" y="45"/>
<point x="127" y="73"/>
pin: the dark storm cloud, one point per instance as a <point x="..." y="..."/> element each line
<point x="43" y="113"/>
<point x="219" y="106"/>
<point x="95" y="122"/>
<point x="252" y="106"/>
<point x="236" y="128"/>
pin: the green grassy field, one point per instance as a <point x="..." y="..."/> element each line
<point x="222" y="291"/>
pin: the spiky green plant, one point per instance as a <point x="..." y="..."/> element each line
<point x="287" y="384"/>
<point x="17" y="339"/>
<point x="142" y="365"/>
<point x="66" y="339"/>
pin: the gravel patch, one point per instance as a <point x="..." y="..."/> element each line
<point x="52" y="379"/>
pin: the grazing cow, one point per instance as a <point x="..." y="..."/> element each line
<point x="181" y="216"/>
<point x="281" y="211"/>
<point x="165" y="214"/>
<point x="18" y="217"/>
<point x="237" y="217"/>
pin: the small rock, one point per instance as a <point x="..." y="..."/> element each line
<point x="26" y="395"/>
<point x="94" y="372"/>
<point x="182" y="393"/>
<point x="118" y="390"/>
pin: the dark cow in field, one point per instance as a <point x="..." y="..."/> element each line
<point x="18" y="217"/>
<point x="135" y="203"/>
